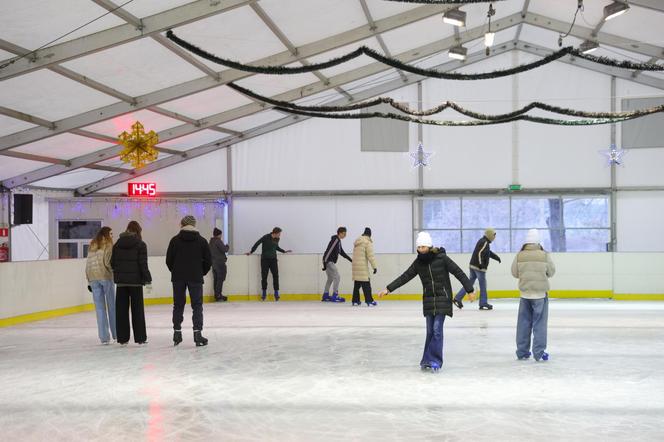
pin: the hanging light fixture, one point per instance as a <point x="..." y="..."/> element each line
<point x="458" y="53"/>
<point x="455" y="17"/>
<point x="588" y="46"/>
<point x="489" y="36"/>
<point x="614" y="10"/>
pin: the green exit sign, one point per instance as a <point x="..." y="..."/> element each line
<point x="514" y="187"/>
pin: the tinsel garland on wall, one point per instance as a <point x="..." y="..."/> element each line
<point x="397" y="64"/>
<point x="449" y="105"/>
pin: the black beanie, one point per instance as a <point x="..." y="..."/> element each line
<point x="216" y="232"/>
<point x="367" y="231"/>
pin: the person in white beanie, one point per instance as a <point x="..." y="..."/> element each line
<point x="533" y="267"/>
<point x="433" y="267"/>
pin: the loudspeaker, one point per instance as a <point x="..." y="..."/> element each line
<point x="22" y="209"/>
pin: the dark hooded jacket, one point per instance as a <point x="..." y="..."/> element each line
<point x="188" y="257"/>
<point x="130" y="261"/>
<point x="434" y="270"/>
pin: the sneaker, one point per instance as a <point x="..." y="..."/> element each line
<point x="544" y="357"/>
<point x="372" y="304"/>
<point x="458" y="303"/>
<point x="326" y="297"/>
<point x="486" y="307"/>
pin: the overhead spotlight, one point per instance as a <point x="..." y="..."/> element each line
<point x="455" y="17"/>
<point x="588" y="46"/>
<point x="458" y="53"/>
<point x="489" y="37"/>
<point x="614" y="10"/>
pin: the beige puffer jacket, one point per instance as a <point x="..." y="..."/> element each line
<point x="98" y="265"/>
<point x="363" y="252"/>
<point x="533" y="267"/>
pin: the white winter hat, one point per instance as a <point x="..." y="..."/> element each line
<point x="532" y="237"/>
<point x="423" y="239"/>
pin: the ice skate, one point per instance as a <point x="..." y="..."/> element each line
<point x="372" y="304"/>
<point x="458" y="303"/>
<point x="199" y="339"/>
<point x="263" y="295"/>
<point x="544" y="357"/>
<point x="177" y="337"/>
<point x="276" y="296"/>
<point x="486" y="307"/>
<point x="336" y="298"/>
<point x="326" y="297"/>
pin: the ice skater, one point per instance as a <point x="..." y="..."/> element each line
<point x="130" y="273"/>
<point x="533" y="267"/>
<point x="269" y="247"/>
<point x="188" y="259"/>
<point x="479" y="263"/>
<point x="99" y="273"/>
<point x="334" y="249"/>
<point x="433" y="267"/>
<point x="363" y="255"/>
<point x="218" y="250"/>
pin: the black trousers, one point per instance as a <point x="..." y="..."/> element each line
<point x="180" y="299"/>
<point x="130" y="298"/>
<point x="366" y="288"/>
<point x="219" y="275"/>
<point x="271" y="265"/>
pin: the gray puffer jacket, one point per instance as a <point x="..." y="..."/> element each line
<point x="533" y="267"/>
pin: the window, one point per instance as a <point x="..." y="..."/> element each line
<point x="565" y="224"/>
<point x="74" y="238"/>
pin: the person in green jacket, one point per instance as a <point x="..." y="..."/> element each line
<point x="269" y="263"/>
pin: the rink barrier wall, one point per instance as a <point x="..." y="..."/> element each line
<point x="37" y="290"/>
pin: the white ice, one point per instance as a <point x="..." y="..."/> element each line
<point x="297" y="371"/>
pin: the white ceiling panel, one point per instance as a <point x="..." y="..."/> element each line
<point x="380" y="8"/>
<point x="252" y="121"/>
<point x="564" y="10"/>
<point x="546" y="38"/>
<point x="150" y="121"/>
<point x="117" y="162"/>
<point x="74" y="178"/>
<point x="476" y="14"/>
<point x="50" y="96"/>
<point x="349" y="65"/>
<point x="307" y="21"/>
<point x="10" y="167"/>
<point x="33" y="23"/>
<point x="144" y="9"/>
<point x="275" y="84"/>
<point x="194" y="140"/>
<point x="136" y="68"/>
<point x="206" y="103"/>
<point x="639" y="24"/>
<point x="64" y="146"/>
<point x="10" y="125"/>
<point x="238" y="35"/>
<point x="417" y="34"/>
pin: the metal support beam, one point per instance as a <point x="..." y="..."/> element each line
<point x="655" y="5"/>
<point x="118" y="35"/>
<point x="584" y="33"/>
<point x="285" y="122"/>
<point x="294" y="94"/>
<point x="267" y="20"/>
<point x="524" y="11"/>
<point x="541" y="51"/>
<point x="205" y="83"/>
<point x="379" y="38"/>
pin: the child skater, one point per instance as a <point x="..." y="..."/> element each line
<point x="433" y="267"/>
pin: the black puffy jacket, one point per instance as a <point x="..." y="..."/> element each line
<point x="130" y="260"/>
<point x="434" y="272"/>
<point x="480" y="258"/>
<point x="188" y="257"/>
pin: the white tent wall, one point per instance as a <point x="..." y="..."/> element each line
<point x="30" y="242"/>
<point x="320" y="154"/>
<point x="640" y="221"/>
<point x="309" y="222"/>
<point x="203" y="174"/>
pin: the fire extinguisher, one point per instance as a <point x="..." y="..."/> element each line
<point x="4" y="252"/>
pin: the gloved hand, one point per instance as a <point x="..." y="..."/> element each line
<point x="375" y="270"/>
<point x="498" y="259"/>
<point x="324" y="267"/>
<point x="90" y="289"/>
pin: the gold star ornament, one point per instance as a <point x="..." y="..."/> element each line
<point x="138" y="146"/>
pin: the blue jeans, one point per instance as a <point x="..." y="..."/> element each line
<point x="474" y="275"/>
<point x="103" y="293"/>
<point x="533" y="318"/>
<point x="433" y="346"/>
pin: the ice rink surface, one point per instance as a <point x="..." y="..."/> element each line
<point x="307" y="371"/>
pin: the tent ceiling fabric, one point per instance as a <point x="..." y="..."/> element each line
<point x="193" y="104"/>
